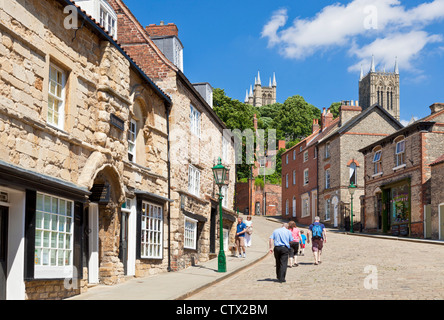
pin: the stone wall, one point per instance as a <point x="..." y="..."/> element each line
<point x="99" y="82"/>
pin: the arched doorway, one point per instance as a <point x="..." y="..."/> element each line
<point x="105" y="261"/>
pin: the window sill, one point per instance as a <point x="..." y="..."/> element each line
<point x="377" y="174"/>
<point x="399" y="167"/>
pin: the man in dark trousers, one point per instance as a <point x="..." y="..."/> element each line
<point x="280" y="240"/>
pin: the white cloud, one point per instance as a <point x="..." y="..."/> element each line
<point x="384" y="28"/>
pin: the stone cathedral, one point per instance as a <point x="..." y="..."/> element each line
<point x="261" y="95"/>
<point x="380" y="87"/>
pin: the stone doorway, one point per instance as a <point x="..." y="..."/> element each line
<point x="107" y="198"/>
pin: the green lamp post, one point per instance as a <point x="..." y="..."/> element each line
<point x="221" y="177"/>
<point x="351" y="189"/>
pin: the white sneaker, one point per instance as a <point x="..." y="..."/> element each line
<point x="244" y="256"/>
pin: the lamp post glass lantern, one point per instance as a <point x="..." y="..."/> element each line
<point x="221" y="177"/>
<point x="351" y="190"/>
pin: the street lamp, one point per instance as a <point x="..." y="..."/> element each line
<point x="221" y="176"/>
<point x="351" y="189"/>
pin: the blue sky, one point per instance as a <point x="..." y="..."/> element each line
<point x="316" y="48"/>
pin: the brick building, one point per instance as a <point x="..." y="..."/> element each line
<point x="300" y="174"/>
<point x="398" y="178"/>
<point x="317" y="172"/>
<point x="84" y="165"/>
<point x="196" y="141"/>
<point x="340" y="163"/>
<point x="435" y="228"/>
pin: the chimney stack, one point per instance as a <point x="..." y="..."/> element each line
<point x="327" y="118"/>
<point x="315" y="126"/>
<point x="162" y="30"/>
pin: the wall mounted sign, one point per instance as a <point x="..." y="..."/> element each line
<point x="100" y="193"/>
<point x="117" y="122"/>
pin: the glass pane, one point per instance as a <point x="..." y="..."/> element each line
<point x="68" y="225"/>
<point x="39" y="202"/>
<point x="69" y="208"/>
<point x="54" y="206"/>
<point x="46" y="236"/>
<point x="53" y="257"/>
<point x="38" y="238"/>
<point x="62" y="210"/>
<point x="61" y="254"/>
<point x="45" y="257"/>
<point x="67" y="257"/>
<point x="53" y="240"/>
<point x="68" y="242"/>
<point x="47" y="204"/>
<point x="38" y="257"/>
<point x="54" y="219"/>
<point x="47" y="221"/>
<point x="61" y="241"/>
<point x="62" y="224"/>
<point x="39" y="220"/>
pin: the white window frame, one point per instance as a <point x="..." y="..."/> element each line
<point x="294" y="206"/>
<point x="151" y="246"/>
<point x="306" y="177"/>
<point x="286" y="181"/>
<point x="194" y="180"/>
<point x="64" y="268"/>
<point x="286" y="160"/>
<point x="305" y="156"/>
<point x="195" y="121"/>
<point x="60" y="99"/>
<point x="294" y="154"/>
<point x="108" y="21"/>
<point x="286" y="207"/>
<point x="132" y="140"/>
<point x="190" y="233"/>
<point x="353" y="170"/>
<point x="327" y="209"/>
<point x="327" y="150"/>
<point x="294" y="177"/>
<point x="327" y="179"/>
<point x="400" y="153"/>
<point x="305" y="205"/>
<point x="377" y="162"/>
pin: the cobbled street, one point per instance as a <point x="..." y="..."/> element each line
<point x="353" y="268"/>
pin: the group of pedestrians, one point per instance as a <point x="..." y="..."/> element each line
<point x="286" y="241"/>
<point x="244" y="230"/>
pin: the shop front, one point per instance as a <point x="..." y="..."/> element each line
<point x="396" y="214"/>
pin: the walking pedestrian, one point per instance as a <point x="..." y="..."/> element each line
<point x="318" y="238"/>
<point x="302" y="243"/>
<point x="294" y="245"/>
<point x="280" y="243"/>
<point x="241" y="229"/>
<point x="249" y="224"/>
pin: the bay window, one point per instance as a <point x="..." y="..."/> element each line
<point x="54" y="225"/>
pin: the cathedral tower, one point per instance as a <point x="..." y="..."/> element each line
<point x="261" y="95"/>
<point x="380" y="87"/>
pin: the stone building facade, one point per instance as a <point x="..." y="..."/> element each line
<point x="196" y="141"/>
<point x="259" y="95"/>
<point x="380" y="87"/>
<point x="398" y="178"/>
<point x="84" y="168"/>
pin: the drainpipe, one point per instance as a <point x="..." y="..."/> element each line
<point x="169" y="186"/>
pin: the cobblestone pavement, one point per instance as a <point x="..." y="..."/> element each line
<point x="352" y="268"/>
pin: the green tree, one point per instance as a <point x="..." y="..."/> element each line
<point x="295" y="119"/>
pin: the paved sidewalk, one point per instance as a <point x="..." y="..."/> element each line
<point x="180" y="285"/>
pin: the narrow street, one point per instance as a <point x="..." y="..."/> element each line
<point x="353" y="268"/>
